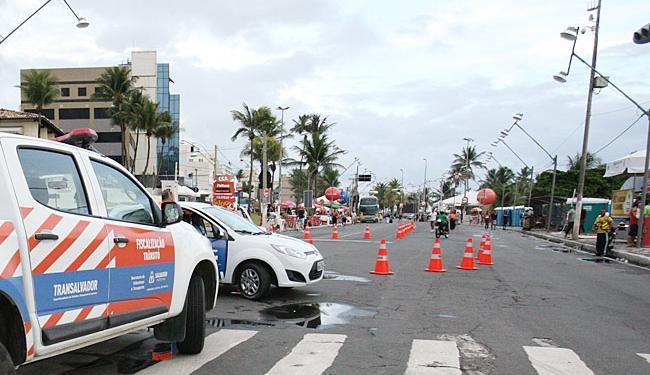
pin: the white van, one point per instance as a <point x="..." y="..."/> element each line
<point x="251" y="257"/>
<point x="87" y="255"/>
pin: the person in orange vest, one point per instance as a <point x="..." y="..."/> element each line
<point x="452" y="219"/>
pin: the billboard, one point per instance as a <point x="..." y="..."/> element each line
<point x="622" y="202"/>
<point x="224" y="193"/>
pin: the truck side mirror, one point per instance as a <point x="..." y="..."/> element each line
<point x="172" y="213"/>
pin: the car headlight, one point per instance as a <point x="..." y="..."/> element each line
<point x="289" y="251"/>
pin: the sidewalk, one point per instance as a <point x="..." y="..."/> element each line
<point x="640" y="257"/>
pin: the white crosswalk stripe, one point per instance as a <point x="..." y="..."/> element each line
<point x="644" y="356"/>
<point x="312" y="355"/>
<point x="433" y="357"/>
<point x="556" y="361"/>
<point x="215" y="345"/>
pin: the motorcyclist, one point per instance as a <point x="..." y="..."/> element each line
<point x="443" y="222"/>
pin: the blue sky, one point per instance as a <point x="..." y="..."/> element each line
<point x="403" y="80"/>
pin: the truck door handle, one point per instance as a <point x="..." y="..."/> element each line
<point x="121" y="240"/>
<point x="46" y="236"/>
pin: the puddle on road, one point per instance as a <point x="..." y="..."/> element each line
<point x="316" y="315"/>
<point x="339" y="277"/>
<point x="223" y="323"/>
<point x="595" y="260"/>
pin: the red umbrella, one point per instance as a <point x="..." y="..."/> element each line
<point x="288" y="204"/>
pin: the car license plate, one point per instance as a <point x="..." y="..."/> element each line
<point x="320" y="265"/>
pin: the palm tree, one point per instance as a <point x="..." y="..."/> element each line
<point x="150" y="120"/>
<point x="331" y="176"/>
<point x="500" y="180"/>
<point x="465" y="163"/>
<point x="317" y="152"/>
<point x="247" y="129"/>
<point x="40" y="89"/>
<point x="164" y="132"/>
<point x="318" y="124"/>
<point x="301" y="127"/>
<point x="115" y="85"/>
<point x="131" y="117"/>
<point x="574" y="162"/>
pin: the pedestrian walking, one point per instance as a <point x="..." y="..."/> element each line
<point x="486" y="220"/>
<point x="506" y="219"/>
<point x="569" y="220"/>
<point x="602" y="226"/>
<point x="633" y="231"/>
<point x="583" y="217"/>
<point x="493" y="220"/>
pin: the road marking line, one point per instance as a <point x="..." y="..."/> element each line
<point x="215" y="345"/>
<point x="556" y="361"/>
<point x="346" y="241"/>
<point x="350" y="234"/>
<point x="644" y="356"/>
<point x="435" y="357"/>
<point x="314" y="354"/>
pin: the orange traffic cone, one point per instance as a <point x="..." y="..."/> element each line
<point x="366" y="233"/>
<point x="307" y="234"/>
<point x="399" y="233"/>
<point x="468" y="258"/>
<point x="381" y="265"/>
<point x="480" y="247"/>
<point x="435" y="262"/>
<point x="486" y="256"/>
<point x="335" y="232"/>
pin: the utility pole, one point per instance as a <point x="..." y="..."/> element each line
<point x="216" y="163"/>
<point x="282" y="109"/>
<point x="551" y="206"/>
<point x="263" y="199"/>
<point x="530" y="187"/>
<point x="424" y="185"/>
<point x="585" y="138"/>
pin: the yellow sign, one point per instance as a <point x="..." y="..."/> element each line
<point x="622" y="202"/>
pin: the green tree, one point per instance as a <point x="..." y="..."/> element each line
<point x="501" y="181"/>
<point x="164" y="132"/>
<point x="298" y="179"/>
<point x="247" y="128"/>
<point x="40" y="89"/>
<point x="150" y="120"/>
<point x="331" y="176"/>
<point x="318" y="152"/>
<point x="466" y="162"/>
<point x="116" y="84"/>
<point x="574" y="162"/>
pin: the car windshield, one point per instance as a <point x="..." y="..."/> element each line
<point x="232" y="220"/>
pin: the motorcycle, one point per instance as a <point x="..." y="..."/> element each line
<point x="441" y="229"/>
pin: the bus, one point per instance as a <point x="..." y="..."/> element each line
<point x="369" y="209"/>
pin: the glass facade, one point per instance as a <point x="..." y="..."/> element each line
<point x="167" y="149"/>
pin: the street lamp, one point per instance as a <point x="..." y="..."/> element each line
<point x="81" y="21"/>
<point x="572" y="34"/>
<point x="502" y="140"/>
<point x="518" y="117"/>
<point x="281" y="109"/>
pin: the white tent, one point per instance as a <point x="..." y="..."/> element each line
<point x="632" y="163"/>
<point x="457" y="201"/>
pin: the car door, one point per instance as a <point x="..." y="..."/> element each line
<point x="66" y="242"/>
<point x="142" y="253"/>
<point x="217" y="236"/>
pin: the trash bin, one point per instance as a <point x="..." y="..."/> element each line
<point x="645" y="241"/>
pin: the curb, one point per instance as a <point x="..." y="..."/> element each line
<point x="639" y="260"/>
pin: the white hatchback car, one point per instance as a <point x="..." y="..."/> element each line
<point x="251" y="257"/>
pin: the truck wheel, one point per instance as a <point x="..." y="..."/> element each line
<point x="254" y="281"/>
<point x="195" y="318"/>
<point x="6" y="364"/>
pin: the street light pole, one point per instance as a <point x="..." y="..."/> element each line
<point x="424" y="185"/>
<point x="281" y="109"/>
<point x="81" y="21"/>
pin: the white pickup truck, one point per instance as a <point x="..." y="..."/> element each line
<point x="87" y="255"/>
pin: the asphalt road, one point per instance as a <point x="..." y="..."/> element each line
<point x="538" y="310"/>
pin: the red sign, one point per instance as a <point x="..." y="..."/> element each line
<point x="223" y="192"/>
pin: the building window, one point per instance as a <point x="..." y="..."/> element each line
<point x="98" y="91"/>
<point x="47" y="112"/>
<point x="65" y="91"/>
<point x="101" y="113"/>
<point x="74" y="113"/>
<point x="109" y="137"/>
<point x="81" y="91"/>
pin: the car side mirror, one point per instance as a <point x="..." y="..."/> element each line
<point x="172" y="213"/>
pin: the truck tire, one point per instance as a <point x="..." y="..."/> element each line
<point x="254" y="281"/>
<point x="195" y="318"/>
<point x="6" y="364"/>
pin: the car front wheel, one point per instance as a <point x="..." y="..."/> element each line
<point x="195" y="319"/>
<point x="254" y="281"/>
